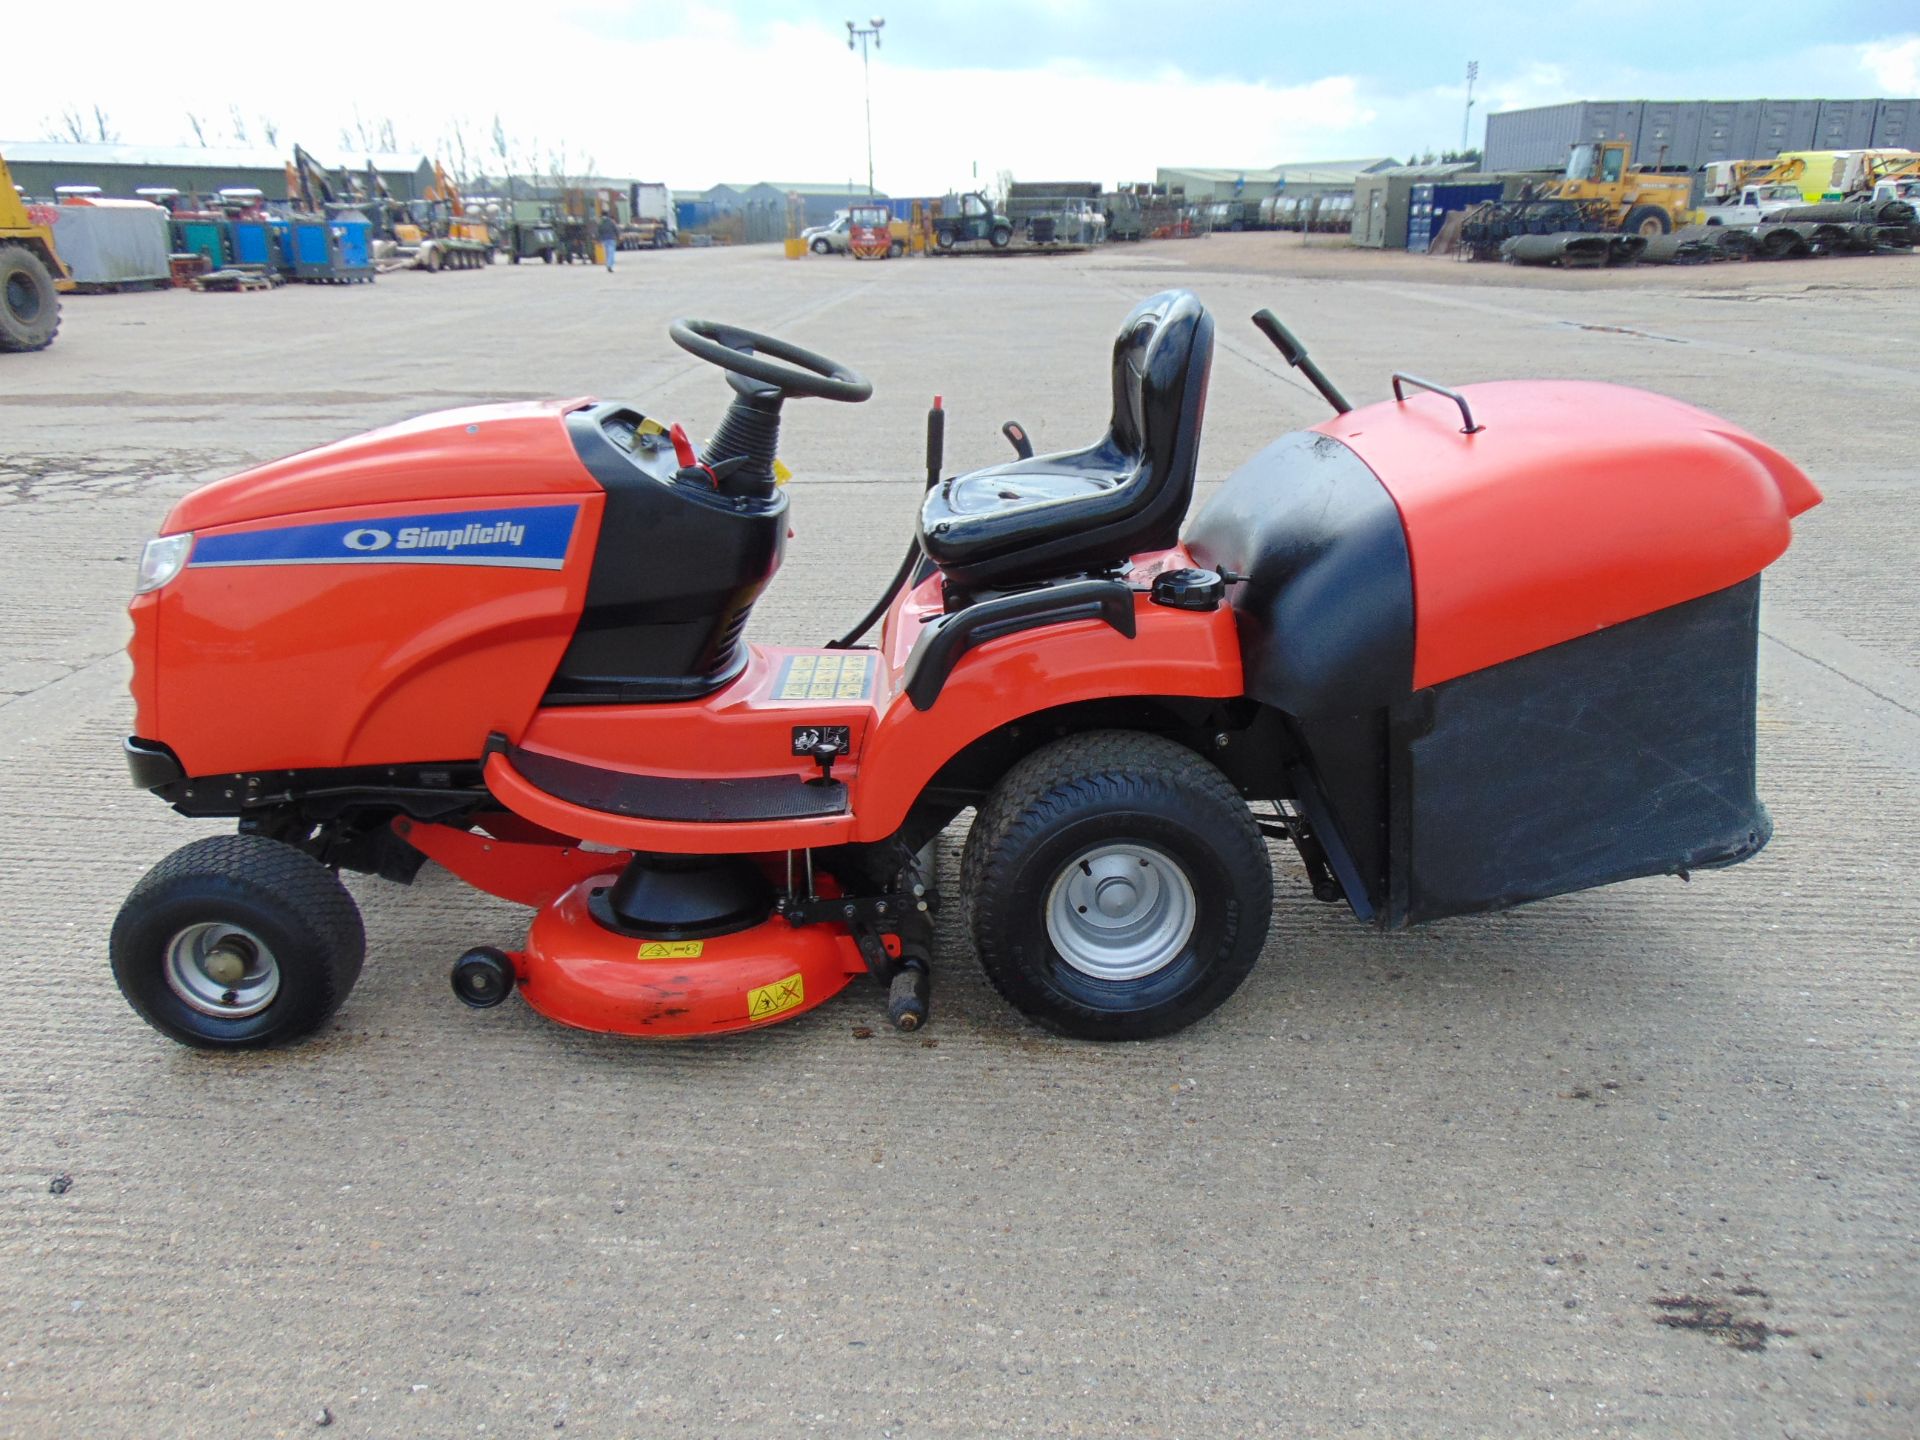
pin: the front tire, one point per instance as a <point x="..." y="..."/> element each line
<point x="236" y="942"/>
<point x="822" y="247"/>
<point x="1000" y="238"/>
<point x="1648" y="220"/>
<point x="1116" y="887"/>
<point x="29" y="304"/>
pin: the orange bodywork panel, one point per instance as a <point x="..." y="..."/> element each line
<point x="1576" y="506"/>
<point x="371" y="618"/>
<point x="745" y="731"/>
<point x="581" y="974"/>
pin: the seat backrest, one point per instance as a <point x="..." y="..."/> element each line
<point x="1161" y="362"/>
<point x="1146" y="462"/>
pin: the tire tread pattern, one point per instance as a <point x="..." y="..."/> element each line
<point x="1128" y="767"/>
<point x="263" y="871"/>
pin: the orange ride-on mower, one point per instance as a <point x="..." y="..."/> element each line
<point x="1462" y="649"/>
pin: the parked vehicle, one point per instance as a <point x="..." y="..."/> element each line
<point x="976" y="221"/>
<point x="1751" y="205"/>
<point x="833" y="238"/>
<point x="870" y="235"/>
<point x="650" y="212"/>
<point x="511" y="639"/>
<point x="31" y="273"/>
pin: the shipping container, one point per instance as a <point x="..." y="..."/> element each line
<point x="1785" y="125"/>
<point x="1896" y="125"/>
<point x="1432" y="203"/>
<point x="1697" y="132"/>
<point x="1535" y="139"/>
<point x="1612" y="120"/>
<point x="1669" y="134"/>
<point x="1729" y="130"/>
<point x="1845" y="124"/>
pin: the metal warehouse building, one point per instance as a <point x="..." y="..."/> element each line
<point x="1202" y="183"/>
<point x="119" y="170"/>
<point x="1689" y="134"/>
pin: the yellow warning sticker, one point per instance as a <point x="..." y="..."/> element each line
<point x="772" y="999"/>
<point x="825" y="677"/>
<point x="780" y="472"/>
<point x="672" y="949"/>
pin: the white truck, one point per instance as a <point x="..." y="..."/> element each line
<point x="1905" y="187"/>
<point x="1751" y="204"/>
<point x="651" y="206"/>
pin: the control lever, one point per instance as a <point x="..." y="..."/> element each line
<point x="1295" y="354"/>
<point x="1016" y="434"/>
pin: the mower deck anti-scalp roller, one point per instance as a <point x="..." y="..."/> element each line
<point x="1465" y="648"/>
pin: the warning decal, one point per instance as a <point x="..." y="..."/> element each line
<point x="772" y="999"/>
<point x="672" y="949"/>
<point x="833" y="676"/>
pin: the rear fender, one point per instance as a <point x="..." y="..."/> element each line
<point x="1173" y="654"/>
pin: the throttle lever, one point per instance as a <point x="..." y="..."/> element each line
<point x="1016" y="434"/>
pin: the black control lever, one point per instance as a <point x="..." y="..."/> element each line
<point x="1295" y="354"/>
<point x="1016" y="434"/>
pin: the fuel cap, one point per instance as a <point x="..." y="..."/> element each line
<point x="1189" y="589"/>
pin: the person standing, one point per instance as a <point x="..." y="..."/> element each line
<point x="609" y="238"/>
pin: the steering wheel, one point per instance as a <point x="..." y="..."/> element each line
<point x="744" y="352"/>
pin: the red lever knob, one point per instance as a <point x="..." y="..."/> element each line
<point x="682" y="446"/>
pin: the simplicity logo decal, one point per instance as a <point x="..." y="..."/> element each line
<point x="529" y="538"/>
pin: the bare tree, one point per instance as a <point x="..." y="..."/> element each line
<point x="270" y="129"/>
<point x="83" y="126"/>
<point x="240" y="136"/>
<point x="199" y="129"/>
<point x="367" y="138"/>
<point x="460" y="159"/>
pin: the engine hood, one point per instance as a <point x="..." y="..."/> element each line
<point x="479" y="451"/>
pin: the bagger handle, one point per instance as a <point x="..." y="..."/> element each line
<point x="1402" y="379"/>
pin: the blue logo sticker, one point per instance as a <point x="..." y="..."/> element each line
<point x="528" y="538"/>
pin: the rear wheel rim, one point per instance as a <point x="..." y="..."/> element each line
<point x="221" y="970"/>
<point x="1120" y="912"/>
<point x="23" y="298"/>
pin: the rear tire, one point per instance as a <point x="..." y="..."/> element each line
<point x="1116" y="887"/>
<point x="1648" y="220"/>
<point x="236" y="942"/>
<point x="29" y="305"/>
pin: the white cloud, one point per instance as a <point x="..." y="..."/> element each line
<point x="1894" y="64"/>
<point x="712" y="100"/>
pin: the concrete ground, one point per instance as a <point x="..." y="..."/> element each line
<point x="1453" y="1182"/>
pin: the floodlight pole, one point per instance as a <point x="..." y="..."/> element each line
<point x="1466" y="120"/>
<point x="871" y="30"/>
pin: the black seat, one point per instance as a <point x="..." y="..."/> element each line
<point x="1089" y="510"/>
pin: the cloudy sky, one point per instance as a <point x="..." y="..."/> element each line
<point x="1101" y="89"/>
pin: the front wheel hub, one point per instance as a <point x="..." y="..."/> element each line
<point x="222" y="970"/>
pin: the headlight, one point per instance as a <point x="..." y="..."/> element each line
<point x="163" y="559"/>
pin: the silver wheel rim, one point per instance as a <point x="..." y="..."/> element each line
<point x="222" y="970"/>
<point x="1118" y="912"/>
